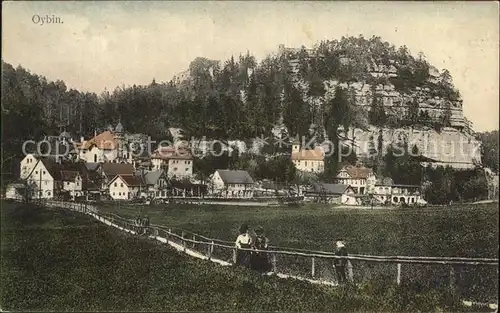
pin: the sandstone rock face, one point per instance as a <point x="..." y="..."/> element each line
<point x="447" y="147"/>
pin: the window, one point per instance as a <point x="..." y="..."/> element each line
<point x="46" y="183"/>
<point x="116" y="184"/>
<point x="113" y="193"/>
<point x="306" y="163"/>
<point x="121" y="184"/>
<point x="187" y="169"/>
<point x="48" y="193"/>
<point x="119" y="193"/>
<point x="43" y="173"/>
<point x="36" y="172"/>
<point x="175" y="168"/>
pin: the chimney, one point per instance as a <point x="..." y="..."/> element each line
<point x="82" y="139"/>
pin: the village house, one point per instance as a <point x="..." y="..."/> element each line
<point x="232" y="184"/>
<point x="111" y="170"/>
<point x="406" y="194"/>
<point x="185" y="189"/>
<point x="176" y="161"/>
<point x="360" y="178"/>
<point x="308" y="160"/>
<point x="382" y="190"/>
<point x="72" y="183"/>
<point x="45" y="178"/>
<point x="108" y="146"/>
<point x="126" y="187"/>
<point x="16" y="190"/>
<point x="386" y="192"/>
<point x="332" y="193"/>
<point x="156" y="183"/>
<point x="27" y="165"/>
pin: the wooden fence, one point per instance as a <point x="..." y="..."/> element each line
<point x="460" y="274"/>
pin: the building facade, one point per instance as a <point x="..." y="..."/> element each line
<point x="232" y="184"/>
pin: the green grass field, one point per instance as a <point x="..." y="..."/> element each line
<point x="467" y="231"/>
<point x="58" y="260"/>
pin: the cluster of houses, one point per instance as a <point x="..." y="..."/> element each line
<point x="106" y="167"/>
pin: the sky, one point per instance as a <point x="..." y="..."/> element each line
<point x="107" y="44"/>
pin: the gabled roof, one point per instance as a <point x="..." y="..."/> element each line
<point x="92" y="166"/>
<point x="105" y="140"/>
<point x="152" y="177"/>
<point x="309" y="155"/>
<point x="69" y="175"/>
<point x="52" y="167"/>
<point x="235" y="177"/>
<point x="113" y="169"/>
<point x="333" y="189"/>
<point x="358" y="172"/>
<point x="130" y="180"/>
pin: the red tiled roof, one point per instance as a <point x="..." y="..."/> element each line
<point x="309" y="155"/>
<point x="104" y="140"/>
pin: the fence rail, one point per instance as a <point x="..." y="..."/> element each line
<point x="463" y="275"/>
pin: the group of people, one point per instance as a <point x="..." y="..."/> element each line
<point x="249" y="255"/>
<point x="255" y="259"/>
<point x="142" y="224"/>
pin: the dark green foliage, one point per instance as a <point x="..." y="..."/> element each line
<point x="377" y="114"/>
<point x="233" y="99"/>
<point x="445" y="185"/>
<point x="402" y="164"/>
<point x="489" y="149"/>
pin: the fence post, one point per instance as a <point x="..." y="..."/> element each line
<point x="274" y="263"/>
<point x="168" y="234"/>
<point x="234" y="255"/>
<point x="398" y="278"/>
<point x="452" y="278"/>
<point x="183" y="241"/>
<point x="313" y="269"/>
<point x="210" y="247"/>
<point x="194" y="239"/>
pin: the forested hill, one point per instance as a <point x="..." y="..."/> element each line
<point x="235" y="99"/>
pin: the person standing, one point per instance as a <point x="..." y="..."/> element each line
<point x="243" y="241"/>
<point x="340" y="263"/>
<point x="260" y="260"/>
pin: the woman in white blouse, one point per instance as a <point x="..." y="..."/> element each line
<point x="243" y="241"/>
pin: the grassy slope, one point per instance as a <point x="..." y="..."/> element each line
<point x="57" y="260"/>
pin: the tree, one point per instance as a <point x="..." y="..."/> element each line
<point x="489" y="149"/>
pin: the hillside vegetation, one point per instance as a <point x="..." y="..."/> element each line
<point x="232" y="99"/>
<point x="59" y="261"/>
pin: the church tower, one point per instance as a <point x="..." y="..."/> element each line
<point x="296" y="144"/>
<point x="120" y="140"/>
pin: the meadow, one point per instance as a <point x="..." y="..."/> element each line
<point x="57" y="260"/>
<point x="460" y="231"/>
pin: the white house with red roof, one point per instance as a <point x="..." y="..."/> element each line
<point x="361" y="178"/>
<point x="108" y="146"/>
<point x="126" y="187"/>
<point x="176" y="161"/>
